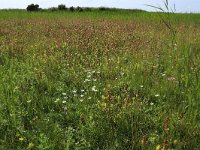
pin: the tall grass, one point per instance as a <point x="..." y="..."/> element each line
<point x="98" y="81"/>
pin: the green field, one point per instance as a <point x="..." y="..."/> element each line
<point x="111" y="80"/>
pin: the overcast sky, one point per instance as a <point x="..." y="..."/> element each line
<point x="181" y="5"/>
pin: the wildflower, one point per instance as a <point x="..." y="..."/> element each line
<point x="81" y="100"/>
<point x="122" y="73"/>
<point x="81" y="95"/>
<point x="152" y="139"/>
<point x="166" y="125"/>
<point x="141" y="86"/>
<point x="28" y="101"/>
<point x="171" y="78"/>
<point x="165" y="145"/>
<point x="94" y="89"/>
<point x="35" y="118"/>
<point x="21" y="139"/>
<point x="151" y="103"/>
<point x="175" y="142"/>
<point x="86" y="80"/>
<point x="163" y="74"/>
<point x="65" y="109"/>
<point x="89" y="76"/>
<point x="157" y="95"/>
<point x="57" y="100"/>
<point x="74" y="91"/>
<point x="30" y="145"/>
<point x="64" y="94"/>
<point x="64" y="102"/>
<point x="158" y="147"/>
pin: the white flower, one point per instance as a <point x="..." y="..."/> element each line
<point x="87" y="80"/>
<point x="94" y="89"/>
<point x="64" y="102"/>
<point x="157" y="95"/>
<point x="81" y="95"/>
<point x="122" y="73"/>
<point x="57" y="100"/>
<point x="89" y="76"/>
<point x="171" y="78"/>
<point x="141" y="86"/>
<point x="163" y="74"/>
<point x="29" y="101"/>
<point x="81" y="100"/>
<point x="74" y="91"/>
<point x="64" y="94"/>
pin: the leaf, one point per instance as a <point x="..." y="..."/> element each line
<point x="156" y="7"/>
<point x="166" y="4"/>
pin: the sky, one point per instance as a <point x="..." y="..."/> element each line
<point x="181" y="5"/>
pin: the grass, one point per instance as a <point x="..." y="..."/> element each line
<point x="98" y="80"/>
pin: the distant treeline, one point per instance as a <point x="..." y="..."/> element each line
<point x="62" y="7"/>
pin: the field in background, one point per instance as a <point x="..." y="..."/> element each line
<point x="99" y="80"/>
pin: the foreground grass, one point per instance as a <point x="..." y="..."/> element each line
<point x="98" y="81"/>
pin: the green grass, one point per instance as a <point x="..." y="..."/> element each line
<point x="98" y="80"/>
<point x="119" y="14"/>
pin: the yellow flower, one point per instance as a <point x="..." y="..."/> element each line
<point x="175" y="142"/>
<point x="21" y="139"/>
<point x="30" y="145"/>
<point x="158" y="147"/>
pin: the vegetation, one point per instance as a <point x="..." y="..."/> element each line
<point x="33" y="7"/>
<point x="71" y="8"/>
<point x="62" y="7"/>
<point x="97" y="80"/>
<point x="79" y="9"/>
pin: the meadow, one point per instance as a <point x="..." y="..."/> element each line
<point x="99" y="80"/>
